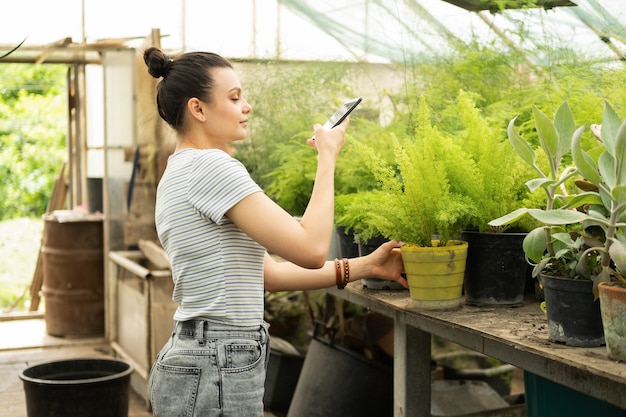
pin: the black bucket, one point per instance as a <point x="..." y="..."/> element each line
<point x="336" y="381"/>
<point x="77" y="388"/>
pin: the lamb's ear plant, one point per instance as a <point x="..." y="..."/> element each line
<point x="550" y="246"/>
<point x="584" y="236"/>
<point x="604" y="201"/>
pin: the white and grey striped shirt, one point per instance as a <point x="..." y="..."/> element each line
<point x="217" y="269"/>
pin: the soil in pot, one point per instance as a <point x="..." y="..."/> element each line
<point x="573" y="315"/>
<point x="613" y="310"/>
<point x="496" y="269"/>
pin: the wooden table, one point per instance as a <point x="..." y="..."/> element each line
<point x="518" y="336"/>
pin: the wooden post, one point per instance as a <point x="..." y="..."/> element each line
<point x="57" y="202"/>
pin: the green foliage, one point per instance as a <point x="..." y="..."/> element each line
<point x="353" y="176"/>
<point x="291" y="182"/>
<point x="583" y="236"/>
<point x="605" y="201"/>
<point x="500" y="176"/>
<point x="420" y="193"/>
<point x="470" y="153"/>
<point x="492" y="75"/>
<point x="506" y="84"/>
<point x="33" y="127"/>
<point x="291" y="98"/>
<point x="545" y="245"/>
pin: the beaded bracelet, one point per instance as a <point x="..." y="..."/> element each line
<point x="338" y="274"/>
<point x="346" y="273"/>
<point x="342" y="273"/>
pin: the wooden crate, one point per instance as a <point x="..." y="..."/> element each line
<point x="142" y="318"/>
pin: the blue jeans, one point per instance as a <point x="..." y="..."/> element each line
<point x="210" y="369"/>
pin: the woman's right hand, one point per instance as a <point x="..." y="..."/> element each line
<point x="329" y="141"/>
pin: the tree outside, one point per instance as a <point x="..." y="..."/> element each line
<point x="33" y="130"/>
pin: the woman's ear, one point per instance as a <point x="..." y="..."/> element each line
<point x="195" y="109"/>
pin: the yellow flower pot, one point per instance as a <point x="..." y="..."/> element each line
<point x="435" y="274"/>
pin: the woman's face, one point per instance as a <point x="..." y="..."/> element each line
<point x="227" y="114"/>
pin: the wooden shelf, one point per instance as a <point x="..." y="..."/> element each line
<point x="518" y="336"/>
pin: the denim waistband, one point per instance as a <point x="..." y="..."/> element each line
<point x="206" y="329"/>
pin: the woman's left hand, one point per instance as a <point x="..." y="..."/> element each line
<point x="386" y="263"/>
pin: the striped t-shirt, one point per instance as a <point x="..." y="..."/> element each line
<point x="217" y="269"/>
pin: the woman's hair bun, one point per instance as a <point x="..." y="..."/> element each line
<point x="158" y="63"/>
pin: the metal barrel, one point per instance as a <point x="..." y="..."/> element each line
<point x="73" y="276"/>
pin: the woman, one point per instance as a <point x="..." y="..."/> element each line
<point x="217" y="227"/>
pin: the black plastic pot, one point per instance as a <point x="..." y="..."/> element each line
<point x="574" y="316"/>
<point x="348" y="248"/>
<point x="282" y="376"/>
<point x="496" y="269"/>
<point x="77" y="388"/>
<point x="335" y="381"/>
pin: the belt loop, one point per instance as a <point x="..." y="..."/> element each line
<point x="265" y="334"/>
<point x="200" y="332"/>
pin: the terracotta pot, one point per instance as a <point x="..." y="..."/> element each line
<point x="435" y="274"/>
<point x="613" y="308"/>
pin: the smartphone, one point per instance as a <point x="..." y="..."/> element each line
<point x="342" y="112"/>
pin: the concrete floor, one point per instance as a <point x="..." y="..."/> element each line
<point x="24" y="343"/>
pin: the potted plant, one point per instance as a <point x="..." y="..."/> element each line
<point x="353" y="178"/>
<point x="496" y="270"/>
<point x="604" y="171"/>
<point x="559" y="244"/>
<point x="421" y="201"/>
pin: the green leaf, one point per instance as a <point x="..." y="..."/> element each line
<point x="565" y="127"/>
<point x="606" y="167"/>
<point x="13" y="50"/>
<point x="557" y="217"/>
<point x="548" y="137"/>
<point x="564" y="237"/>
<point x="619" y="194"/>
<point x="620" y="153"/>
<point x="538" y="269"/>
<point x="523" y="149"/>
<point x="617" y="250"/>
<point x="610" y="126"/>
<point x="509" y="218"/>
<point x="584" y="163"/>
<point x="581" y="199"/>
<point x="534" y="244"/>
<point x="537" y="183"/>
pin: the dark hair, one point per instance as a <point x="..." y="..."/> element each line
<point x="187" y="76"/>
